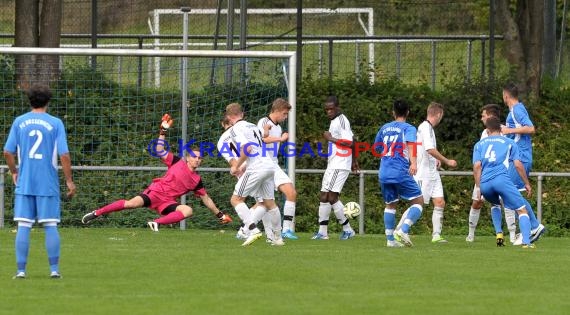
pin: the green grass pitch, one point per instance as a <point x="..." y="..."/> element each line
<point x="135" y="271"/>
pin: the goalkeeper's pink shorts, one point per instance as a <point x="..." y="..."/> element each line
<point x="158" y="202"/>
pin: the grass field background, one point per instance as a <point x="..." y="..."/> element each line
<point x="135" y="271"/>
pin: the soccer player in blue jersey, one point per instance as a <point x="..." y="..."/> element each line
<point x="492" y="156"/>
<point x="519" y="128"/>
<point x="396" y="143"/>
<point x="490" y="110"/>
<point x="37" y="138"/>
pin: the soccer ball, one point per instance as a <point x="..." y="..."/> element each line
<point x="351" y="210"/>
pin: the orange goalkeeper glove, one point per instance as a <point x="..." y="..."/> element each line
<point x="166" y="123"/>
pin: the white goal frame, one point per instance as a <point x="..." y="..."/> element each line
<point x="291" y="79"/>
<point x="368" y="26"/>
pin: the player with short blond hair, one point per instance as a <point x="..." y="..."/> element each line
<point x="429" y="159"/>
<point x="273" y="135"/>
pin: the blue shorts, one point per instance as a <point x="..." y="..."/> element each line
<point x="515" y="177"/>
<point x="28" y="208"/>
<point x="501" y="187"/>
<point x="407" y="189"/>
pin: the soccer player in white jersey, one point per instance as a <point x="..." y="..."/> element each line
<point x="37" y="139"/>
<point x="490" y="110"/>
<point x="257" y="180"/>
<point x="272" y="137"/>
<point x="429" y="159"/>
<point x="271" y="220"/>
<point x="492" y="157"/>
<point x="339" y="165"/>
<point x="519" y="128"/>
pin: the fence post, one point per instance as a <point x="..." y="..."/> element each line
<point x="361" y="202"/>
<point x="140" y="66"/>
<point x="433" y="56"/>
<point x="2" y="207"/>
<point x="398" y="60"/>
<point x="356" y="57"/>
<point x="469" y="59"/>
<point x="539" y="199"/>
<point x="320" y="60"/>
<point x="330" y="59"/>
<point x="483" y="59"/>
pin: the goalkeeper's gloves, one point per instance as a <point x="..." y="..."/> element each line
<point x="166" y="123"/>
<point x="224" y="218"/>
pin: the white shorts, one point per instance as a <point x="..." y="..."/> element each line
<point x="280" y="177"/>
<point x="258" y="184"/>
<point x="431" y="188"/>
<point x="333" y="180"/>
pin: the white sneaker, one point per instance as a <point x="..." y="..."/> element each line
<point x="241" y="234"/>
<point x="518" y="240"/>
<point x="20" y="275"/>
<point x="536" y="233"/>
<point x="394" y="244"/>
<point x="254" y="235"/>
<point x="277" y="239"/>
<point x="278" y="242"/>
<point x="403" y="237"/>
<point x="512" y="237"/>
<point x="153" y="226"/>
<point x="470" y="238"/>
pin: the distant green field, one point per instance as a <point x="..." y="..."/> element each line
<point x="135" y="271"/>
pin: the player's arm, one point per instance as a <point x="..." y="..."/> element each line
<point x="11" y="162"/>
<point x="522" y="173"/>
<point x="436" y="154"/>
<point x="477" y="169"/>
<point x="270" y="139"/>
<point x="521" y="116"/>
<point x="210" y="204"/>
<point x="518" y="130"/>
<point x="413" y="170"/>
<point x="165" y="125"/>
<point x="66" y="167"/>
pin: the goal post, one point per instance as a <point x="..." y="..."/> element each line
<point x="110" y="118"/>
<point x="367" y="24"/>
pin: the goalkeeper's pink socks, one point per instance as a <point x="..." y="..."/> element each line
<point x="172" y="217"/>
<point x="112" y="207"/>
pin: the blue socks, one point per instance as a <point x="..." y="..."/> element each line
<point x="389" y="223"/>
<point x="22" y="244"/>
<point x="414" y="213"/>
<point x="524" y="225"/>
<point x="52" y="247"/>
<point x="497" y="218"/>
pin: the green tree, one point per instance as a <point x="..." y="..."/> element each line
<point x="522" y="25"/>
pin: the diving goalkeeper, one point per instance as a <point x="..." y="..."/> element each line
<point x="162" y="195"/>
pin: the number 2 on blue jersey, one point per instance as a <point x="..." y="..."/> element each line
<point x="32" y="154"/>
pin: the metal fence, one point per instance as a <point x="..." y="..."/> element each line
<point x="361" y="183"/>
<point x="428" y="60"/>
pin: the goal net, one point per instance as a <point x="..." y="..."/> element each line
<point x="111" y="111"/>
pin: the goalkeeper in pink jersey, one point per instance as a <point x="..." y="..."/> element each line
<point x="162" y="194"/>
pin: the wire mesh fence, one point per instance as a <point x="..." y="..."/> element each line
<point x="272" y="25"/>
<point x="112" y="123"/>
